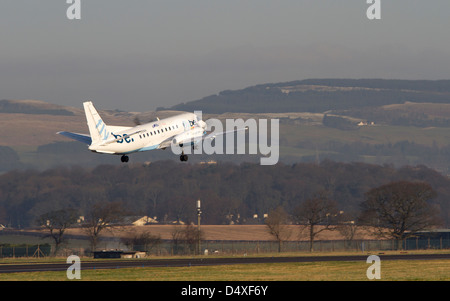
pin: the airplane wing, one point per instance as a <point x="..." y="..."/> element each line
<point x="213" y="135"/>
<point x="166" y="143"/>
<point x="197" y="138"/>
<point x="78" y="137"/>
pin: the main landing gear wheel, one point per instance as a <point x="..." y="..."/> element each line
<point x="124" y="158"/>
<point x="183" y="158"/>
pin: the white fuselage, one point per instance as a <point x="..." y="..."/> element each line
<point x="145" y="137"/>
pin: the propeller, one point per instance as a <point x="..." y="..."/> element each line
<point x="137" y="121"/>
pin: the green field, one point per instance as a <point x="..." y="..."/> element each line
<point x="398" y="270"/>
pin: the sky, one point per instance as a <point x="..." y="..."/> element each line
<point x="139" y="55"/>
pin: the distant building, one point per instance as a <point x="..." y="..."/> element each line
<point x="432" y="239"/>
<point x="362" y="123"/>
<point x="139" y="220"/>
<point x="434" y="234"/>
<point x="211" y="162"/>
<point x="177" y="222"/>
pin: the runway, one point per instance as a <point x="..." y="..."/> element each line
<point x="90" y="264"/>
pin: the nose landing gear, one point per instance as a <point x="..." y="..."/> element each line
<point x="124" y="159"/>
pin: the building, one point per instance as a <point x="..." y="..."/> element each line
<point x="431" y="239"/>
<point x="139" y="220"/>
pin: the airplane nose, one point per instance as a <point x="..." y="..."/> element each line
<point x="202" y="124"/>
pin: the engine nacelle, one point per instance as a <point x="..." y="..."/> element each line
<point x="188" y="137"/>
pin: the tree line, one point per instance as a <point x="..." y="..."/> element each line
<point x="396" y="211"/>
<point x="399" y="153"/>
<point x="230" y="193"/>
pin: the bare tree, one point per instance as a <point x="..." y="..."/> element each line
<point x="56" y="222"/>
<point x="192" y="237"/>
<point x="155" y="191"/>
<point x="186" y="238"/>
<point x="316" y="215"/>
<point x="177" y="238"/>
<point x="399" y="210"/>
<point x="102" y="216"/>
<point x="278" y="225"/>
<point x="347" y="226"/>
<point x="144" y="241"/>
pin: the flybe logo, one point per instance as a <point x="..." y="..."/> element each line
<point x="125" y="138"/>
<point x="191" y="124"/>
<point x="101" y="128"/>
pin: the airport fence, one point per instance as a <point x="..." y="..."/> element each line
<point x="13" y="251"/>
<point x="256" y="247"/>
<point x="212" y="247"/>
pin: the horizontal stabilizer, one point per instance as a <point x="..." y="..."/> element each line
<point x="78" y="137"/>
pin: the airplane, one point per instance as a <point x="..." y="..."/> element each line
<point x="185" y="129"/>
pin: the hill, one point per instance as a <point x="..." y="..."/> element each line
<point x="400" y="122"/>
<point x="321" y="95"/>
<point x="34" y="107"/>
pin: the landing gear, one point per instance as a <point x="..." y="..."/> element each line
<point x="124" y="159"/>
<point x="183" y="157"/>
